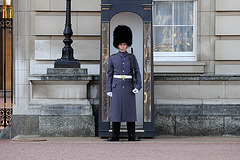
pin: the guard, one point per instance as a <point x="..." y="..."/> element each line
<point x="124" y="81"/>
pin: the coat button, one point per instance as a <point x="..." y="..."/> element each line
<point x="123" y="63"/>
<point x="123" y="70"/>
<point x="123" y="86"/>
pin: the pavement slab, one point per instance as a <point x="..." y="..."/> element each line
<point x="94" y="148"/>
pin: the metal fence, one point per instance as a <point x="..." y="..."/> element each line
<point x="5" y="117"/>
<point x="6" y="62"/>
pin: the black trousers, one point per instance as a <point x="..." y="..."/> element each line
<point x="130" y="128"/>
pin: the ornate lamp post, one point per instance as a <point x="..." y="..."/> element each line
<point x="67" y="60"/>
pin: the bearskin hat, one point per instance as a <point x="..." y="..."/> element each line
<point x="122" y="34"/>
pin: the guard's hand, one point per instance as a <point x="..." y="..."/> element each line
<point x="109" y="94"/>
<point x="135" y="91"/>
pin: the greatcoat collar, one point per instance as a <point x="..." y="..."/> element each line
<point x="122" y="54"/>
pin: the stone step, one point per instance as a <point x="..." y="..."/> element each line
<point x="66" y="71"/>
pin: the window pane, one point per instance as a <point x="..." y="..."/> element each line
<point x="163" y="13"/>
<point x="183" y="39"/>
<point x="183" y="13"/>
<point x="162" y="39"/>
<point x="7" y="2"/>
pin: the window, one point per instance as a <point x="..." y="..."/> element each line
<point x="7" y="2"/>
<point x="174" y="30"/>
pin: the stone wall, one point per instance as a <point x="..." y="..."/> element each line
<point x="49" y="23"/>
<point x="200" y="100"/>
<point x="197" y="105"/>
<point x="38" y="27"/>
<point x="38" y="40"/>
<point x="227" y="17"/>
<point x="59" y="105"/>
<point x="190" y="105"/>
<point x="185" y="105"/>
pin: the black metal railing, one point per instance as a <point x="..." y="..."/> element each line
<point x="6" y="56"/>
<point x="5" y="117"/>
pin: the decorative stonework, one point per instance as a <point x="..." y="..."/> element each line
<point x="59" y="104"/>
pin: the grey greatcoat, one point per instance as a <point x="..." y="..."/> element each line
<point x="122" y="104"/>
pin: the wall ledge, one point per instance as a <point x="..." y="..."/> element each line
<point x="197" y="77"/>
<point x="179" y="67"/>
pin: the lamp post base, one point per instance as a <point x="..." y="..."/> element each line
<point x="66" y="64"/>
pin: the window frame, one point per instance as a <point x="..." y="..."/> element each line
<point x="178" y="56"/>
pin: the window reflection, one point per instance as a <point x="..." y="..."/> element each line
<point x="183" y="13"/>
<point x="163" y="13"/>
<point x="163" y="39"/>
<point x="7" y="2"/>
<point x="173" y="26"/>
<point x="183" y="39"/>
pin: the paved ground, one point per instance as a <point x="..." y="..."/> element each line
<point x="161" y="148"/>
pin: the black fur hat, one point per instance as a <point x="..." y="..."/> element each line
<point x="122" y="34"/>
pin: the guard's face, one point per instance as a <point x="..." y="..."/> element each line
<point x="122" y="47"/>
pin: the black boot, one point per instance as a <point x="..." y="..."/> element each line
<point x="113" y="138"/>
<point x="116" y="131"/>
<point x="133" y="138"/>
<point x="131" y="132"/>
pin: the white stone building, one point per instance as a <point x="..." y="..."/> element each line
<point x="196" y="65"/>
